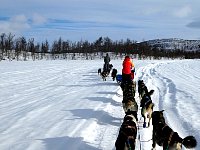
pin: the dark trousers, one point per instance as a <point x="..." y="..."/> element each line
<point x="126" y="77"/>
<point x="106" y="67"/>
<point x="126" y="80"/>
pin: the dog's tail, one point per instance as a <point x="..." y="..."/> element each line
<point x="189" y="142"/>
<point x="150" y="92"/>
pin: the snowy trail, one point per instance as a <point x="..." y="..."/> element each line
<point x="48" y="105"/>
<point x="169" y="97"/>
<point x="181" y="96"/>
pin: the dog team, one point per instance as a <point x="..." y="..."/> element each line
<point x="162" y="134"/>
<point x="107" y="67"/>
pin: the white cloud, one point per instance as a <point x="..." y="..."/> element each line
<point x="38" y="19"/>
<point x="183" y="12"/>
<point x="4" y="27"/>
<point x="19" y="19"/>
<point x="15" y="24"/>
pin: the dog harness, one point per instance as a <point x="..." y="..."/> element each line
<point x="148" y="101"/>
<point x="170" y="136"/>
<point x="128" y="142"/>
<point x="169" y="140"/>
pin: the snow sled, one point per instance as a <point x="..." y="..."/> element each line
<point x="119" y="78"/>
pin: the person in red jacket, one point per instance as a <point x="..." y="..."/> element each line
<point x="126" y="71"/>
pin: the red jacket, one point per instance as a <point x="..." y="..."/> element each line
<point x="127" y="66"/>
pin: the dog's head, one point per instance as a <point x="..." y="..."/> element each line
<point x="147" y="95"/>
<point x="142" y="86"/>
<point x="110" y="66"/>
<point x="130" y="118"/>
<point x="99" y="71"/>
<point x="114" y="71"/>
<point x="158" y="117"/>
<point x="140" y="82"/>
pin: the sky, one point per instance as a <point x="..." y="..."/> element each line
<point x="65" y="104"/>
<point x="77" y="20"/>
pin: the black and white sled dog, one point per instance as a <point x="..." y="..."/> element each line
<point x="127" y="134"/>
<point x="104" y="75"/>
<point x="164" y="136"/>
<point x="99" y="71"/>
<point x="114" y="74"/>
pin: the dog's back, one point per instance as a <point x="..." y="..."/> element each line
<point x="130" y="106"/>
<point x="128" y="89"/>
<point x="104" y="75"/>
<point x="127" y="134"/>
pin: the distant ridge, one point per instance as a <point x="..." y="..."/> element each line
<point x="174" y="44"/>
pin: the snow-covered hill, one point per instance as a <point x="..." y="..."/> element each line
<point x="65" y="105"/>
<point x="173" y="44"/>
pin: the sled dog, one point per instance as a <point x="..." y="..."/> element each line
<point x="114" y="74"/>
<point x="164" y="136"/>
<point x="104" y="75"/>
<point x="127" y="134"/>
<point x="147" y="108"/>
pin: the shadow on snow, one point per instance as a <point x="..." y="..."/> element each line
<point x="64" y="143"/>
<point x="102" y="117"/>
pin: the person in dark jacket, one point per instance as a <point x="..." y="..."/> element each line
<point x="106" y="63"/>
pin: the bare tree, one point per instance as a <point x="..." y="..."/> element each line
<point x="31" y="47"/>
<point x="2" y="45"/>
<point x="44" y="48"/>
<point x="9" y="45"/>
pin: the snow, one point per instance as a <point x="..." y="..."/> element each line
<point x="65" y="105"/>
